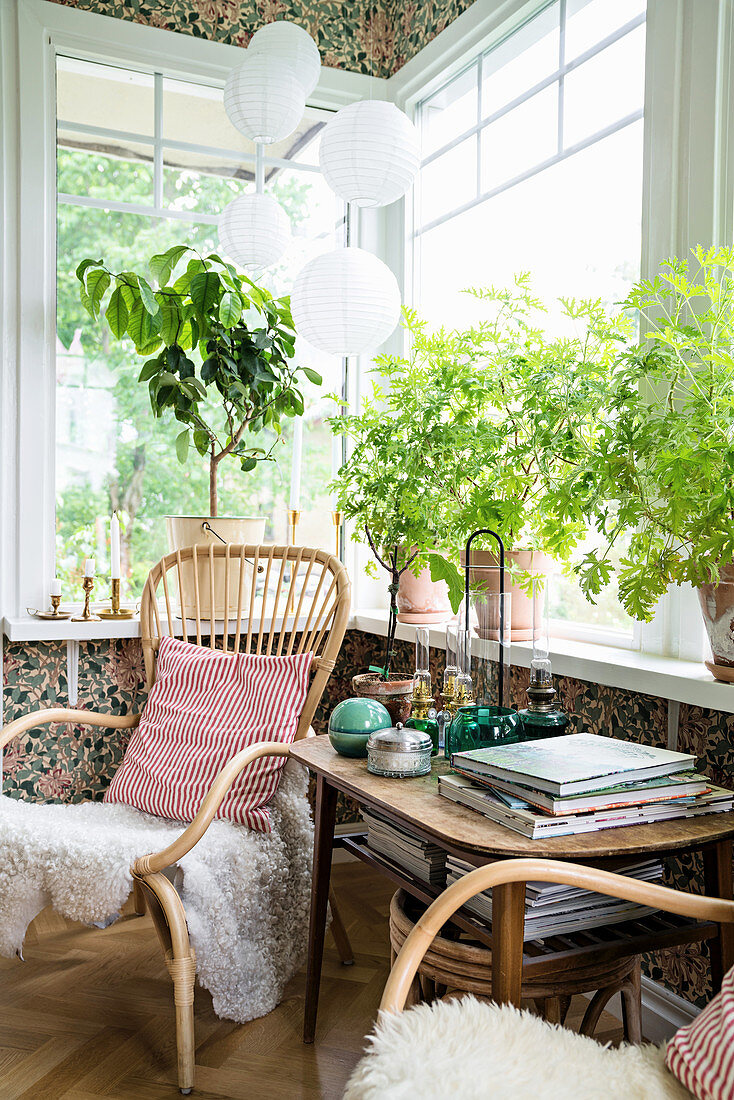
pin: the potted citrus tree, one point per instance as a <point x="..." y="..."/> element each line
<point x="219" y="358"/>
<point x="661" y="467"/>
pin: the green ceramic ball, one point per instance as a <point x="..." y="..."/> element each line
<point x="353" y="721"/>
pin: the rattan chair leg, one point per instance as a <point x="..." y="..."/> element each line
<point x="631" y="994"/>
<point x="138" y="898"/>
<point x="339" y="932"/>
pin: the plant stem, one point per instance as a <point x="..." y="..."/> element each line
<point x="213" y="463"/>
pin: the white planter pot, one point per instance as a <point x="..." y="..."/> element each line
<point x="184" y="531"/>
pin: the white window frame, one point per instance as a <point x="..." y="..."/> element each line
<point x="688" y="184"/>
<point x="33" y="32"/>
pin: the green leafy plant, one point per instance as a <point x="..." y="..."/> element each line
<point x="219" y="351"/>
<point x="479" y="428"/>
<point x="662" y="462"/>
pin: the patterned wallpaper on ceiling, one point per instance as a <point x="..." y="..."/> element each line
<point x="364" y="37"/>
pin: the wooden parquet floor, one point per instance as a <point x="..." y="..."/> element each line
<point x="90" y="1014"/>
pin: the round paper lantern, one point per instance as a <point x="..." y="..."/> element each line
<point x="254" y="231"/>
<point x="345" y="302"/>
<point x="284" y="41"/>
<point x="263" y="99"/>
<point x="369" y="153"/>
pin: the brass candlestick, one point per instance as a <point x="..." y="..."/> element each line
<point x="294" y="514"/>
<point x="86" y="615"/>
<point x="55" y="601"/>
<point x="337" y="518"/>
<point x="115" y="611"/>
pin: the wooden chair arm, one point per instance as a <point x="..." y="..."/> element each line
<point x="60" y="714"/>
<point x="540" y="870"/>
<point x="192" y="834"/>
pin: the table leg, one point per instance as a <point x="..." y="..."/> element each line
<point x="508" y="923"/>
<point x="323" y="844"/>
<point x="717" y="870"/>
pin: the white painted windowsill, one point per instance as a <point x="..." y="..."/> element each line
<point x="663" y="677"/>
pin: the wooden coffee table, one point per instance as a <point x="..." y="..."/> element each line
<point x="416" y="806"/>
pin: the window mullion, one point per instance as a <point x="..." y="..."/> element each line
<point x="561" y="68"/>
<point x="158" y="141"/>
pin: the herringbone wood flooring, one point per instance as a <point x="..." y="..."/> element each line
<point x="90" y="1014"/>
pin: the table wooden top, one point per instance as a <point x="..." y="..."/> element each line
<point x="417" y="803"/>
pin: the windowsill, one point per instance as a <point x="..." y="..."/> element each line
<point x="663" y="677"/>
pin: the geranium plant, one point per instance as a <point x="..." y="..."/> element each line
<point x="662" y="464"/>
<point x="219" y="351"/>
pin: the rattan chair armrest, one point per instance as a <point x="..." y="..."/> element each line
<point x="537" y="870"/>
<point x="192" y="834"/>
<point x="61" y="714"/>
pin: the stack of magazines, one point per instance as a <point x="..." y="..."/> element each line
<point x="424" y="860"/>
<point x="580" y="783"/>
<point x="552" y="909"/>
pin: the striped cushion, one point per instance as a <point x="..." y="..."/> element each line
<point x="204" y="707"/>
<point x="701" y="1055"/>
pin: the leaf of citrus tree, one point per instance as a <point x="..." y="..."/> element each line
<point x="312" y="375"/>
<point x="170" y="317"/>
<point x="201" y="441"/>
<point x="230" y="309"/>
<point x="143" y="328"/>
<point x="148" y="297"/>
<point x="203" y="290"/>
<point x="80" y="271"/>
<point x="117" y="313"/>
<point x="182" y="446"/>
<point x="97" y="282"/>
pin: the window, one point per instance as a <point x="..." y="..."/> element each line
<point x="533" y="162"/>
<point x="143" y="162"/>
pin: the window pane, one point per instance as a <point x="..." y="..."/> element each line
<point x="521" y="61"/>
<point x="100" y="95"/>
<point x="448" y="181"/>
<point x="124" y="178"/>
<point x="590" y="21"/>
<point x="449" y="112"/>
<point x="605" y="89"/>
<point x="521" y="139"/>
<point x="111" y="452"/>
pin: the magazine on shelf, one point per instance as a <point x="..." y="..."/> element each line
<point x="425" y="860"/>
<point x="535" y="824"/>
<point x="664" y="788"/>
<point x="575" y="763"/>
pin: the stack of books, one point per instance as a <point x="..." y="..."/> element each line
<point x="552" y="909"/>
<point x="580" y="783"/>
<point x="424" y="860"/>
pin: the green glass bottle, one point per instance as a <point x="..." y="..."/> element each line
<point x="479" y="727"/>
<point x="426" y="725"/>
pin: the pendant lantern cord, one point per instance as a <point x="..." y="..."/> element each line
<point x="259" y="168"/>
<point x="467" y="563"/>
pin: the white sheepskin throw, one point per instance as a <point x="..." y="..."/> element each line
<point x="246" y="894"/>
<point x="480" y="1051"/>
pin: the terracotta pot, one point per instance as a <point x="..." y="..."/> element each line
<point x="395" y="694"/>
<point x="717" y="608"/>
<point x="186" y="531"/>
<point x="421" y="600"/>
<point x="485" y="577"/>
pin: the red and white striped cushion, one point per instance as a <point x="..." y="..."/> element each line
<point x="204" y="707"/>
<point x="701" y="1055"/>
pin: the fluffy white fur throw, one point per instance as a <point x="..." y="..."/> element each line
<point x="475" y="1050"/>
<point x="246" y="894"/>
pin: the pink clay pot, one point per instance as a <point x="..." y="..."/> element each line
<point x="717" y="608"/>
<point x="485" y="577"/>
<point x="421" y="600"/>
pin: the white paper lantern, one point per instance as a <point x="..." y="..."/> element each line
<point x="369" y="153"/>
<point x="345" y="302"/>
<point x="263" y="99"/>
<point x="254" y="231"/>
<point x="284" y="41"/>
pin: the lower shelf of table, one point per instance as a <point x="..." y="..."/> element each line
<point x="606" y="943"/>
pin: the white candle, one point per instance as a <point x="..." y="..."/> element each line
<point x="89" y="567"/>
<point x="295" y="501"/>
<point x="54" y="589"/>
<point x="114" y="547"/>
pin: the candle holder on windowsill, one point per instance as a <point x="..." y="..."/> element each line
<point x="115" y="611"/>
<point x="337" y="518"/>
<point x="86" y="615"/>
<point x="52" y="615"/>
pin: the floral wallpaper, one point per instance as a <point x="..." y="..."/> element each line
<point x="376" y="38"/>
<point x="72" y="763"/>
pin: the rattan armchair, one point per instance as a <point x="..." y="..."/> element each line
<point x="262" y="599"/>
